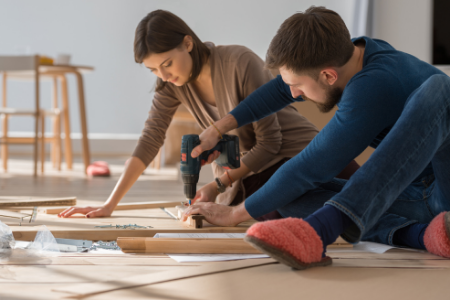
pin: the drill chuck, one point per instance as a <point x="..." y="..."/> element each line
<point x="190" y="185"/>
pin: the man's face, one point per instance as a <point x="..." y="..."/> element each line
<point x="325" y="96"/>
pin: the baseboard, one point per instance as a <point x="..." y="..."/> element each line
<point x="100" y="144"/>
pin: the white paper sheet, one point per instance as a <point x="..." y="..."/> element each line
<point x="201" y="235"/>
<point x="208" y="257"/>
<point x="368" y="247"/>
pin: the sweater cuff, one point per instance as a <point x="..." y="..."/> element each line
<point x="243" y="114"/>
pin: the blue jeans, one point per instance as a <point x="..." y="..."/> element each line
<point x="419" y="137"/>
<point x="414" y="205"/>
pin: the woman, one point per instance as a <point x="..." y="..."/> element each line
<point x="210" y="81"/>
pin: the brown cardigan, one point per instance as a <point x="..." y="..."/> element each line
<point x="236" y="72"/>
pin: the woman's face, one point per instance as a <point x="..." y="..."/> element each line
<point x="173" y="66"/>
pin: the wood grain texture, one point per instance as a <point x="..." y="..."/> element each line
<point x="79" y="227"/>
<point x="120" y="206"/>
<point x="29" y="201"/>
<point x="187" y="245"/>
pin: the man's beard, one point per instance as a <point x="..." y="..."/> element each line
<point x="333" y="96"/>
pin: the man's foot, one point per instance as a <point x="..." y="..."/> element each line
<point x="437" y="235"/>
<point x="290" y="241"/>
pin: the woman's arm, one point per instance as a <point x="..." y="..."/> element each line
<point x="163" y="108"/>
<point x="133" y="170"/>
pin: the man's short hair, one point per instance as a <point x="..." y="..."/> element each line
<point x="310" y="41"/>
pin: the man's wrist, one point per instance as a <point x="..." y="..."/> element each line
<point x="226" y="124"/>
<point x="240" y="214"/>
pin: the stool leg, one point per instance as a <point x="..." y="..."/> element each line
<point x="57" y="139"/>
<point x="65" y="111"/>
<point x="4" y="127"/>
<point x="84" y="131"/>
<point x="42" y="141"/>
<point x="5" y="146"/>
<point x="53" y="153"/>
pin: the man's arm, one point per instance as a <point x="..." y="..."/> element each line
<point x="266" y="100"/>
<point x="360" y="118"/>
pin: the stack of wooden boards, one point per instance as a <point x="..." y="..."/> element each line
<point x="9" y="206"/>
<point x="151" y="220"/>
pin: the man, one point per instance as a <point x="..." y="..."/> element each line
<point x="387" y="99"/>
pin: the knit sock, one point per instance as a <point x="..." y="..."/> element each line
<point x="329" y="222"/>
<point x="411" y="236"/>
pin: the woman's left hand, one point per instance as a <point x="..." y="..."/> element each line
<point x="208" y="193"/>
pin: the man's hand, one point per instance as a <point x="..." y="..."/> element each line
<point x="90" y="212"/>
<point x="218" y="214"/>
<point x="208" y="193"/>
<point x="210" y="137"/>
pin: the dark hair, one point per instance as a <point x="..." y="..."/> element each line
<point x="161" y="31"/>
<point x="309" y="41"/>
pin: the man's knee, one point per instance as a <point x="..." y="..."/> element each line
<point x="434" y="93"/>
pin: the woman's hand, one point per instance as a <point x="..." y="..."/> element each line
<point x="212" y="157"/>
<point x="208" y="193"/>
<point x="88" y="211"/>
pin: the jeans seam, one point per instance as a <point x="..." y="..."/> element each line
<point x="392" y="232"/>
<point x="354" y="218"/>
<point x="437" y="120"/>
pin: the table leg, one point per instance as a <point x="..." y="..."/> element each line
<point x="65" y="112"/>
<point x="84" y="132"/>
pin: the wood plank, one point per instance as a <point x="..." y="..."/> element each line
<point x="12" y="214"/>
<point x="195" y="221"/>
<point x="30" y="201"/>
<point x="181" y="245"/>
<point x="79" y="227"/>
<point x="24" y="233"/>
<point x="120" y="206"/>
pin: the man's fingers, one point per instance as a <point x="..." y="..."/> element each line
<point x="197" y="151"/>
<point x="191" y="210"/>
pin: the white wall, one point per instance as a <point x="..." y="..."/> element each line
<point x="405" y="24"/>
<point x="100" y="33"/>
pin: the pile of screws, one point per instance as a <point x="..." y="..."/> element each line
<point x="105" y="245"/>
<point x="129" y="226"/>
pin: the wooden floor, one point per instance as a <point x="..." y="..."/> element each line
<point x="397" y="274"/>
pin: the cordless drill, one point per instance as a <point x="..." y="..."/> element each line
<point x="228" y="147"/>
